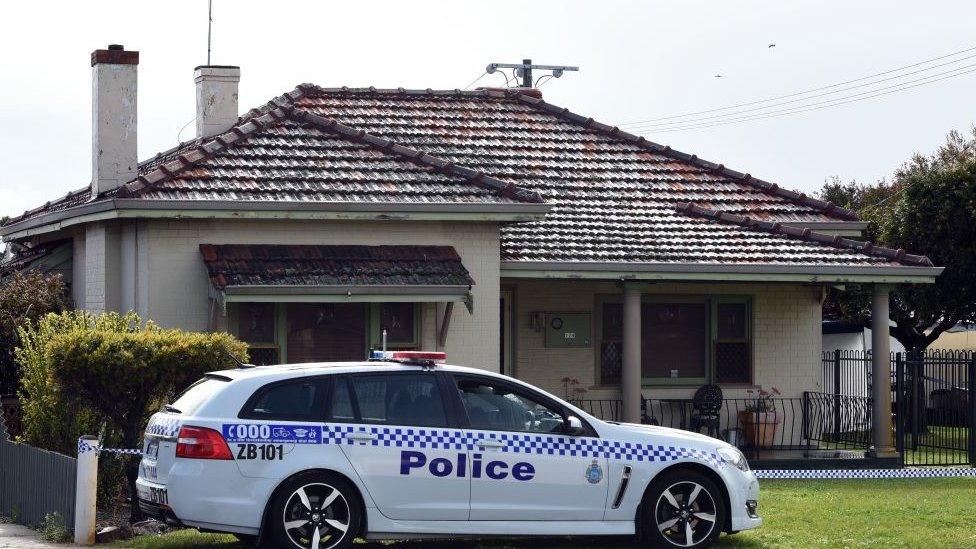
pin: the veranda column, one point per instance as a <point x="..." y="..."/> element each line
<point x="630" y="379"/>
<point x="881" y="369"/>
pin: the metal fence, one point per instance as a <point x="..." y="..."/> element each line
<point x="814" y="421"/>
<point x="35" y="482"/>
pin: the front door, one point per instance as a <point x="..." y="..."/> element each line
<point x="394" y="430"/>
<point x="523" y="467"/>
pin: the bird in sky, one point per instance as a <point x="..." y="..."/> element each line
<point x="772" y="45"/>
<point x="718" y="76"/>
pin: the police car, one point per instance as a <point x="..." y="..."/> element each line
<point x="315" y="455"/>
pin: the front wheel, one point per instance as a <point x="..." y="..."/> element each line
<point x="315" y="511"/>
<point x="684" y="509"/>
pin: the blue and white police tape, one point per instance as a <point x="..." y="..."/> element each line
<point x="85" y="446"/>
<point x="813" y="474"/>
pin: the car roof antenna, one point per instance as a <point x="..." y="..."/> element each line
<point x="240" y="363"/>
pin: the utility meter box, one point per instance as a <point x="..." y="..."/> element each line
<point x="568" y="329"/>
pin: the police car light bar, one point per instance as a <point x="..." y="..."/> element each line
<point x="419" y="357"/>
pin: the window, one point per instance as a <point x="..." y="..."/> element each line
<point x="293" y="400"/>
<point x="341" y="408"/>
<point x="256" y="326"/>
<point x="195" y="395"/>
<point x="399" y="399"/>
<point x="685" y="340"/>
<point x="495" y="407"/>
<point x="733" y="353"/>
<point x="674" y="340"/>
<point x="326" y="332"/>
<point x="401" y="322"/>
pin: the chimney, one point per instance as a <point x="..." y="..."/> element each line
<point x="114" y="156"/>
<point x="216" y="98"/>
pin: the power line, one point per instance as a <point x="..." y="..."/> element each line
<point x="803" y="109"/>
<point x="809" y="97"/>
<point x="475" y="81"/>
<point x="830" y="86"/>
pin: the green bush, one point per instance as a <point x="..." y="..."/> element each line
<point x="126" y="376"/>
<point x="50" y="420"/>
<point x="53" y="528"/>
<point x="24" y="296"/>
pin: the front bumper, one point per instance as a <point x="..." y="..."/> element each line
<point x="744" y="499"/>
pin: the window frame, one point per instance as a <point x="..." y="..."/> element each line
<point x="325" y="381"/>
<point x="532" y="394"/>
<point x="711" y="301"/>
<point x="375" y="330"/>
<point x="450" y="415"/>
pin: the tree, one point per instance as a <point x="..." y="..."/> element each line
<point x="24" y="297"/>
<point x="126" y="376"/>
<point x="929" y="208"/>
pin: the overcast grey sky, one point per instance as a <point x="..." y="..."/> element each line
<point x="639" y="60"/>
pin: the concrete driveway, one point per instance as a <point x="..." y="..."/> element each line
<point x="15" y="535"/>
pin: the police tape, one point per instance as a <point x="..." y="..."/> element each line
<point x="817" y="474"/>
<point x="84" y="446"/>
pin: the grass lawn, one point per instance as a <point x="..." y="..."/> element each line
<point x="803" y="513"/>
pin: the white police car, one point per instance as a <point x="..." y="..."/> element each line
<point x="314" y="455"/>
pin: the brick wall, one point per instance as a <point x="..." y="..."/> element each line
<point x="786" y="334"/>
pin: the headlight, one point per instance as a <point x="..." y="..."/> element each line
<point x="735" y="457"/>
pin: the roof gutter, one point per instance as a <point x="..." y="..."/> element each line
<point x="116" y="208"/>
<point x="719" y="272"/>
<point x="344" y="294"/>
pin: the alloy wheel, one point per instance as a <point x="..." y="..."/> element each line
<point x="316" y="516"/>
<point x="685" y="514"/>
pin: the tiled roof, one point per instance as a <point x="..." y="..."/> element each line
<point x="302" y="265"/>
<point x="613" y="194"/>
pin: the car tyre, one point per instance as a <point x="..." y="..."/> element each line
<point x="682" y="505"/>
<point x="314" y="510"/>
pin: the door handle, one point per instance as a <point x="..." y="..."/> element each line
<point x="361" y="437"/>
<point x="486" y="443"/>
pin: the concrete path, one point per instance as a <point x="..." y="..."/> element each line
<point x="15" y="535"/>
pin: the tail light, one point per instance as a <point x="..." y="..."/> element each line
<point x="201" y="443"/>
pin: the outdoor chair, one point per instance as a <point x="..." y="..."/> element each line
<point x="706" y="406"/>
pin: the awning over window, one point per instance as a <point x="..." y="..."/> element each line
<point x="336" y="273"/>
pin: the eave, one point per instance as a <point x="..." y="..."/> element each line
<point x="720" y="272"/>
<point x="127" y="208"/>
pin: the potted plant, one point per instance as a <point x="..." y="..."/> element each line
<point x="759" y="419"/>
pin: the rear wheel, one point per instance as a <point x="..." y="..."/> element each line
<point x="684" y="509"/>
<point x="315" y="511"/>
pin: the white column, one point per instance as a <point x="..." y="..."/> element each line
<point x="86" y="488"/>
<point x="881" y="369"/>
<point x="630" y="379"/>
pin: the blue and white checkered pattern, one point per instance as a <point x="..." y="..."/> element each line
<point x="84" y="446"/>
<point x="864" y="473"/>
<point x="163" y="426"/>
<point x="543" y="445"/>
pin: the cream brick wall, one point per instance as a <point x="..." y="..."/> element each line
<point x="786" y="334"/>
<point x="178" y="285"/>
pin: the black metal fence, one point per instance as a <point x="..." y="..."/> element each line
<point x="934" y="407"/>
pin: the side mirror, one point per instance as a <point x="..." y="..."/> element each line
<point x="573" y="425"/>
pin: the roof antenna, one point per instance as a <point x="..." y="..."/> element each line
<point x="209" y="25"/>
<point x="524" y="70"/>
<point x="239" y="362"/>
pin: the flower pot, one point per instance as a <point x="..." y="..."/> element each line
<point x="759" y="428"/>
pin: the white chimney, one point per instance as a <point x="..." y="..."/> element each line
<point x="114" y="156"/>
<point x="216" y="98"/>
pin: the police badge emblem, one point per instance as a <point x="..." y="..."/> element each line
<point x="594" y="473"/>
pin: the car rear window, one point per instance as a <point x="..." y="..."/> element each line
<point x="195" y="395"/>
<point x="293" y="400"/>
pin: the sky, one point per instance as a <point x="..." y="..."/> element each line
<point x="639" y="60"/>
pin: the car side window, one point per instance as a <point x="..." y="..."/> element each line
<point x="295" y="400"/>
<point x="497" y="407"/>
<point x="399" y="399"/>
<point x="341" y="408"/>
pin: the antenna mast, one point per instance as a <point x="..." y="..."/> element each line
<point x="209" y="25"/>
<point x="524" y="70"/>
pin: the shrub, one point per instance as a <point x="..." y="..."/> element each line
<point x="126" y="376"/>
<point x="25" y="296"/>
<point x="50" y="420"/>
<point x="53" y="528"/>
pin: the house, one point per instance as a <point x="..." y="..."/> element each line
<point x="513" y="233"/>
